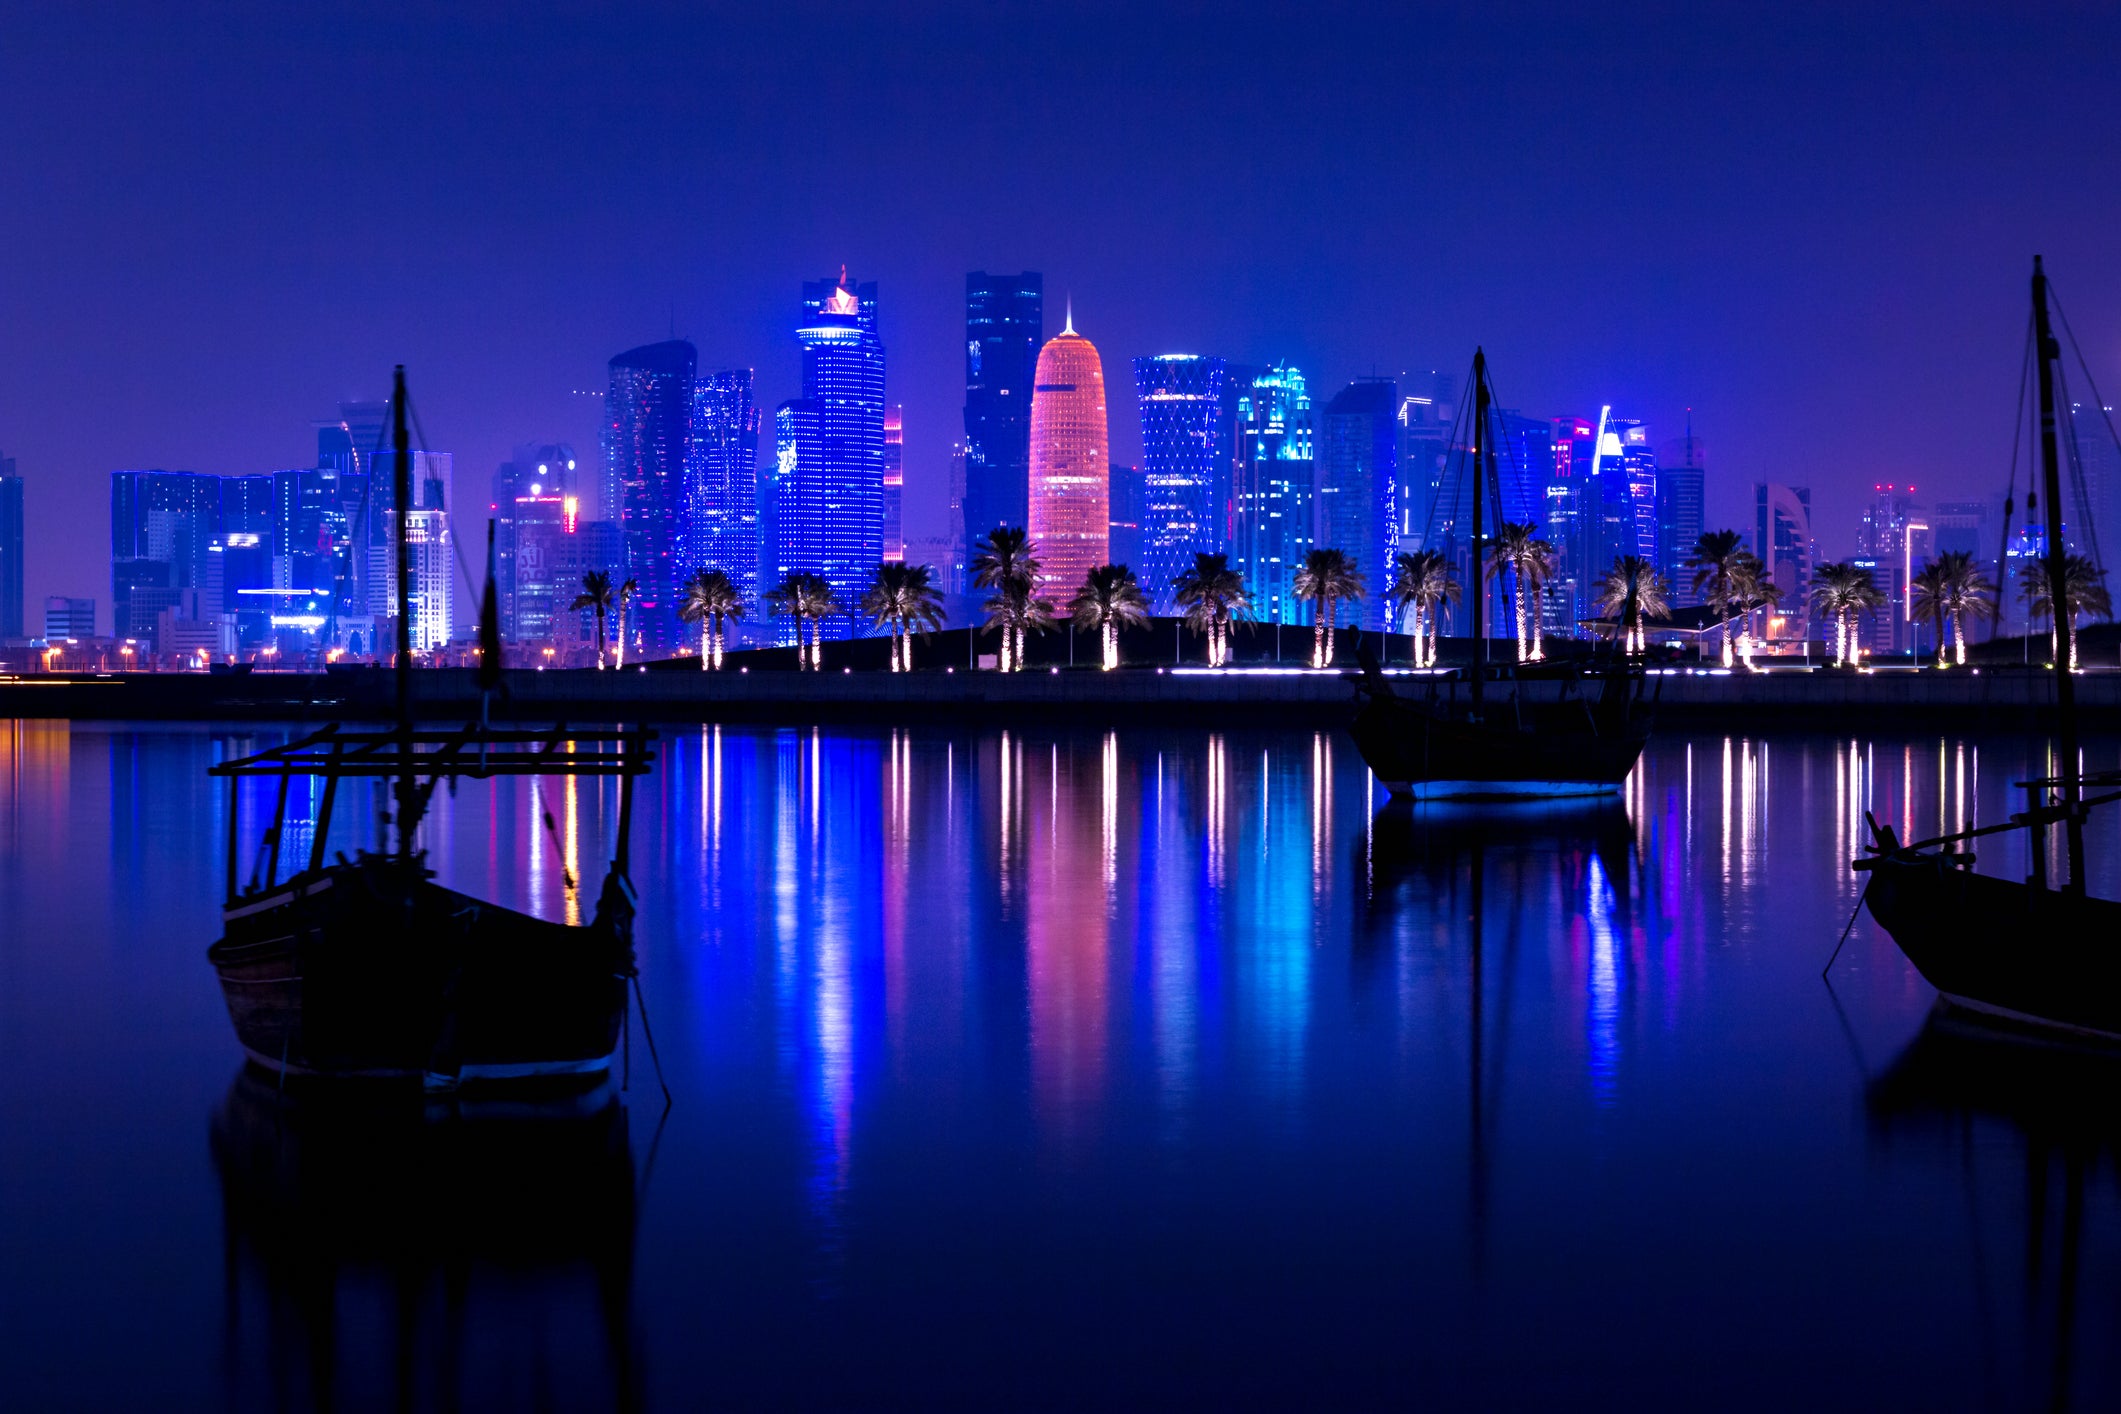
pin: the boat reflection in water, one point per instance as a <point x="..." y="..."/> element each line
<point x="1961" y="1088"/>
<point x="387" y="1251"/>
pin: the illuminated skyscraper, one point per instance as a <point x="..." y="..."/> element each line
<point x="1782" y="538"/>
<point x="647" y="439"/>
<point x="1182" y="465"/>
<point x="164" y="525"/>
<point x="1681" y="517"/>
<point x="1124" y="500"/>
<point x="895" y="483"/>
<point x="828" y="480"/>
<point x="1070" y="510"/>
<point x="1358" y="485"/>
<point x="721" y="479"/>
<point x="1004" y="326"/>
<point x="1272" y="520"/>
<point x="537" y="473"/>
<point x="10" y="550"/>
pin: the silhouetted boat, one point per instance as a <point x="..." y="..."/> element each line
<point x="365" y="966"/>
<point x="1531" y="730"/>
<point x="2018" y="951"/>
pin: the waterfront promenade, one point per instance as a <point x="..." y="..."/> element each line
<point x="2003" y="698"/>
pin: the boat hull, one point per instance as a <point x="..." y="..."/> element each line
<point x="371" y="970"/>
<point x="1555" y="751"/>
<point x="2002" y="949"/>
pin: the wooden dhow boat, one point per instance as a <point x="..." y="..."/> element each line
<point x="1528" y="731"/>
<point x="365" y="966"/>
<point x="2028" y="953"/>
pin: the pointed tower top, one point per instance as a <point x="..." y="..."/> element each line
<point x="1069" y="327"/>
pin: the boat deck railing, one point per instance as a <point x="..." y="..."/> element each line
<point x="472" y="751"/>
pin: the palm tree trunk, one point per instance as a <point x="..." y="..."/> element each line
<point x="600" y="640"/>
<point x="1327" y="661"/>
<point x="1958" y="640"/>
<point x="1318" y="637"/>
<point x="1522" y="651"/>
<point x="1538" y="652"/>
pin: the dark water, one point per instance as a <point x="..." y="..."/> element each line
<point x="1132" y="1070"/>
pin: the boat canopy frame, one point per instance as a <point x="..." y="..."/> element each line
<point x="407" y="754"/>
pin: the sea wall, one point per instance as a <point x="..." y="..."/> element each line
<point x="1998" y="699"/>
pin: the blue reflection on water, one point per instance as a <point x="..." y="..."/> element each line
<point x="1056" y="1068"/>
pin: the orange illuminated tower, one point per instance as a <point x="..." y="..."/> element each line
<point x="1070" y="463"/>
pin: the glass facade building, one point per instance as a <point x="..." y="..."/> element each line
<point x="534" y="474"/>
<point x="1004" y="328"/>
<point x="895" y="483"/>
<point x="1359" y="494"/>
<point x="1681" y="515"/>
<point x="828" y="515"/>
<point x="1071" y="464"/>
<point x="1183" y="464"/>
<point x="1271" y="514"/>
<point x="647" y="436"/>
<point x="721" y="479"/>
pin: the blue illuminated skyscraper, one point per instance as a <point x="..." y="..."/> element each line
<point x="647" y="436"/>
<point x="164" y="530"/>
<point x="721" y="479"/>
<point x="1358" y="484"/>
<point x="828" y="478"/>
<point x="1004" y="329"/>
<point x="1271" y="509"/>
<point x="1182" y="409"/>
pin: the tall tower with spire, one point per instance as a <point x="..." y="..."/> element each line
<point x="1071" y="472"/>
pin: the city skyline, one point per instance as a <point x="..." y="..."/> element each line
<point x="1798" y="242"/>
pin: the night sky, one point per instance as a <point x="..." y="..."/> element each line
<point x="1811" y="226"/>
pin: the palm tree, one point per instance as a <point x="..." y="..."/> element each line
<point x="808" y="599"/>
<point x="628" y="590"/>
<point x="1008" y="557"/>
<point x="596" y="594"/>
<point x="1970" y="594"/>
<point x="1328" y="576"/>
<point x="1111" y="598"/>
<point x="1930" y="592"/>
<point x="1751" y="588"/>
<point x="1015" y="610"/>
<point x="1716" y="555"/>
<point x="1841" y="592"/>
<point x="1212" y="594"/>
<point x="1422" y="581"/>
<point x="1633" y="590"/>
<point x="902" y="599"/>
<point x="1518" y="550"/>
<point x="710" y="597"/>
<point x="2083" y="592"/>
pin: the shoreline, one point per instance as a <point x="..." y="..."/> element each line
<point x="2009" y="699"/>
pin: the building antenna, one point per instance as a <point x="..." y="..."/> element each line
<point x="1690" y="437"/>
<point x="1069" y="328"/>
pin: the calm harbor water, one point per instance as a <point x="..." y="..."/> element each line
<point x="1073" y="1070"/>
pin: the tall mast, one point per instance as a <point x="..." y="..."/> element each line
<point x="401" y="447"/>
<point x="1476" y="590"/>
<point x="2047" y="351"/>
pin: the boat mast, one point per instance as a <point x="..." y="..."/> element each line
<point x="2047" y="351"/>
<point x="401" y="446"/>
<point x="1474" y="591"/>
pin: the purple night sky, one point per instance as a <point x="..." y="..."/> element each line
<point x="1813" y="226"/>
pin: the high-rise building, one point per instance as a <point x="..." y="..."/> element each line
<point x="1070" y="511"/>
<point x="721" y="479"/>
<point x="1681" y="514"/>
<point x="434" y="575"/>
<point x="1124" y="518"/>
<point x="1782" y="538"/>
<point x="1004" y="328"/>
<point x="1425" y="423"/>
<point x="534" y="474"/>
<point x="66" y="618"/>
<point x="538" y="593"/>
<point x="10" y="550"/>
<point x="951" y="565"/>
<point x="828" y="516"/>
<point x="1183" y="465"/>
<point x="2094" y="462"/>
<point x="1636" y="461"/>
<point x="1272" y="517"/>
<point x="894" y="483"/>
<point x="1358" y="492"/>
<point x="647" y="438"/>
<point x="164" y="525"/>
<point x="429" y="475"/>
<point x="1886" y="535"/>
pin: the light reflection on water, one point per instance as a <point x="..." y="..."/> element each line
<point x="994" y="1052"/>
